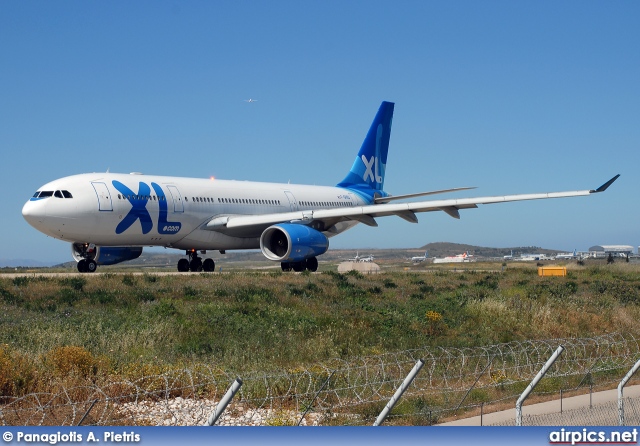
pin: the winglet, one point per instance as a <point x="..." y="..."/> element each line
<point x="605" y="185"/>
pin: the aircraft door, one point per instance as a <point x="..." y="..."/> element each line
<point x="104" y="197"/>
<point x="293" y="204"/>
<point x="178" y="206"/>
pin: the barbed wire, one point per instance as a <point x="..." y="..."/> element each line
<point x="188" y="396"/>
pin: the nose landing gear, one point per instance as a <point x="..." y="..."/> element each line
<point x="87" y="266"/>
<point x="85" y="253"/>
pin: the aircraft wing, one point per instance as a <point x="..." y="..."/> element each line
<point x="250" y="225"/>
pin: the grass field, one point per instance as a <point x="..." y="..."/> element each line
<point x="96" y="326"/>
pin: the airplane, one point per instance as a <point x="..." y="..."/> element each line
<point x="369" y="258"/>
<point x="567" y="255"/>
<point x="109" y="217"/>
<point x="358" y="259"/>
<point x="459" y="258"/>
<point x="250" y="100"/>
<point x="419" y="259"/>
<point x="355" y="259"/>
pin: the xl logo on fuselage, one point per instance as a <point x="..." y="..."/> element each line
<point x="139" y="209"/>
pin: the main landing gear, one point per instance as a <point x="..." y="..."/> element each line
<point x="195" y="263"/>
<point x="310" y="264"/>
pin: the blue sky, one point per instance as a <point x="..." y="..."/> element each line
<point x="512" y="97"/>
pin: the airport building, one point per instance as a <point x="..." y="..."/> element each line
<point x="615" y="250"/>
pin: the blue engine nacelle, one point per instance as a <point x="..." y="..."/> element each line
<point x="104" y="255"/>
<point x="288" y="242"/>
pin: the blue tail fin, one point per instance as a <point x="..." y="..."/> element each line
<point x="367" y="173"/>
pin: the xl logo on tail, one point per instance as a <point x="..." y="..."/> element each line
<point x="369" y="172"/>
<point x="139" y="209"/>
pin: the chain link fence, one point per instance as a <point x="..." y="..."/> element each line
<point x="605" y="414"/>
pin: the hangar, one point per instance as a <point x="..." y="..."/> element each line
<point x="615" y="250"/>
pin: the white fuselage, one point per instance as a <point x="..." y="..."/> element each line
<point x="109" y="209"/>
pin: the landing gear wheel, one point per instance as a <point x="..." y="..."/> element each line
<point x="195" y="265"/>
<point x="312" y="264"/>
<point x="183" y="265"/>
<point x="286" y="266"/>
<point x="299" y="266"/>
<point x="209" y="265"/>
<point x="82" y="266"/>
<point x="91" y="266"/>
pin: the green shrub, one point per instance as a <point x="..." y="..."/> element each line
<point x="75" y="283"/>
<point x="128" y="280"/>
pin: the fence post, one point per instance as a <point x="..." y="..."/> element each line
<point x="533" y="383"/>
<point x="620" y="388"/>
<point x="87" y="412"/>
<point x="394" y="399"/>
<point x="314" y="398"/>
<point x="474" y="384"/>
<point x="224" y="402"/>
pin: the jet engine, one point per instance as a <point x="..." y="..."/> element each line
<point x="288" y="242"/>
<point x="104" y="255"/>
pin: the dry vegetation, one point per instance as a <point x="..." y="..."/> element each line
<point x="94" y="328"/>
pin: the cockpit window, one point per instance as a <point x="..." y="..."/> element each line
<point x="36" y="194"/>
<point x="57" y="194"/>
<point x="46" y="193"/>
<point x="67" y="194"/>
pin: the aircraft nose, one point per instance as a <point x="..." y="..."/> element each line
<point x="34" y="212"/>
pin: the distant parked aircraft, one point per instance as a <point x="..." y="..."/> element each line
<point x="356" y="258"/>
<point x="567" y="255"/>
<point x="419" y="259"/>
<point x="460" y="258"/>
<point x="359" y="259"/>
<point x="250" y="100"/>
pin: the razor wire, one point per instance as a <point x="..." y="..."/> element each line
<point x="188" y="396"/>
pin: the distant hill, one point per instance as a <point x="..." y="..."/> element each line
<point x="169" y="258"/>
<point x="442" y="249"/>
<point x="11" y="263"/>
